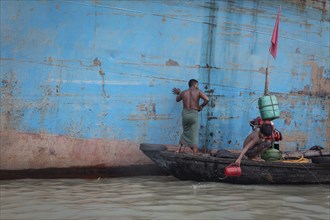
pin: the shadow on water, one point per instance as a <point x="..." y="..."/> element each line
<point x="159" y="197"/>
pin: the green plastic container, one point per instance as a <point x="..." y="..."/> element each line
<point x="268" y="107"/>
<point x="271" y="154"/>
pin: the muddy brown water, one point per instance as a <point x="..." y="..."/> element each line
<point x="158" y="197"/>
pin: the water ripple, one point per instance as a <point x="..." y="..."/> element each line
<point x="162" y="197"/>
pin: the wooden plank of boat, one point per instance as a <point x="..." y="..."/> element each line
<point x="208" y="168"/>
<point x="306" y="154"/>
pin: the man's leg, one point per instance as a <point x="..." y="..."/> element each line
<point x="265" y="146"/>
<point x="195" y="149"/>
<point x="182" y="145"/>
<point x="255" y="152"/>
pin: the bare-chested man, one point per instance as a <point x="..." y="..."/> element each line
<point x="255" y="143"/>
<point x="191" y="107"/>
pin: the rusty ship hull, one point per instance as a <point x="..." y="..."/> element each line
<point x="83" y="83"/>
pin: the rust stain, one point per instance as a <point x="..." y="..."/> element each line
<point x="306" y="89"/>
<point x="321" y="5"/>
<point x="320" y="84"/>
<point x="36" y="151"/>
<point x="287" y="118"/>
<point x="11" y="114"/>
<point x="150" y="108"/>
<point x="96" y="62"/>
<point x="149" y="112"/>
<point x="172" y="63"/>
<point x="146" y="117"/>
<point x="141" y="107"/>
<point x="300" y="138"/>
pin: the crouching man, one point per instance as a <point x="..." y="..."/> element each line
<point x="255" y="144"/>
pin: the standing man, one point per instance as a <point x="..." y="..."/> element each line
<point x="191" y="107"/>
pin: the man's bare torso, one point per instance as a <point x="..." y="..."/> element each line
<point x="190" y="99"/>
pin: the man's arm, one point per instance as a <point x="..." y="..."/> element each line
<point x="177" y="91"/>
<point x="205" y="100"/>
<point x="178" y="97"/>
<point x="245" y="149"/>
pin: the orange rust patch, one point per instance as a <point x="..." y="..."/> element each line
<point x="36" y="151"/>
<point x="300" y="138"/>
<point x="320" y="85"/>
<point x="172" y="63"/>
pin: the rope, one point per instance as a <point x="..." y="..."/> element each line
<point x="315" y="177"/>
<point x="300" y="160"/>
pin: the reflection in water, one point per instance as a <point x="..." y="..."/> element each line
<point x="158" y="197"/>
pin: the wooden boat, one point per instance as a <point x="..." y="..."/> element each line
<point x="207" y="168"/>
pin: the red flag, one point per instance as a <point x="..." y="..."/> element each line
<point x="274" y="41"/>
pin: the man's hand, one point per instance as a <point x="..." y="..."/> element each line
<point x="176" y="91"/>
<point x="238" y="162"/>
<point x="200" y="108"/>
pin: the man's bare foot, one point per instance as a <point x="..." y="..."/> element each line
<point x="179" y="150"/>
<point x="195" y="150"/>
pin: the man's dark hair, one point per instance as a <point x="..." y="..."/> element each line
<point x="192" y="82"/>
<point x="266" y="129"/>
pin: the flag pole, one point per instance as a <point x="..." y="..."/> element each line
<point x="267" y="78"/>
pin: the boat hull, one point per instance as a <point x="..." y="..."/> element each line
<point x="211" y="169"/>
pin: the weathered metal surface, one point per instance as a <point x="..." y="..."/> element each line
<point x="62" y="151"/>
<point x="103" y="71"/>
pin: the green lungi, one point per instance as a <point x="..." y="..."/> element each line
<point x="190" y="127"/>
